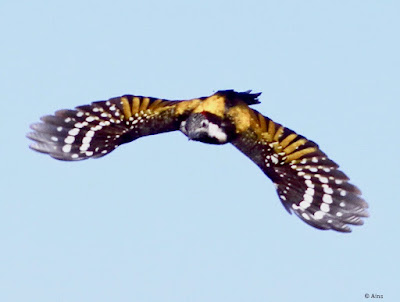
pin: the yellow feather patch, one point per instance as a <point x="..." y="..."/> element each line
<point x="154" y="104"/>
<point x="144" y="104"/>
<point x="254" y="119"/>
<point x="162" y="106"/>
<point x="214" y="104"/>
<point x="278" y="133"/>
<point x="271" y="129"/>
<point x="262" y="122"/>
<point x="135" y="105"/>
<point x="289" y="149"/>
<point x="299" y="154"/>
<point x="241" y="117"/>
<point x="185" y="106"/>
<point x="288" y="140"/>
<point x="126" y="107"/>
<point x="266" y="136"/>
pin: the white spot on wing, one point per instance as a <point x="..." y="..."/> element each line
<point x="86" y="140"/>
<point x="69" y="139"/>
<point x="309" y="183"/>
<point x="84" y="147"/>
<point x="327" y="198"/>
<point x="274" y="159"/>
<point x="324" y="207"/>
<point x="310" y="191"/>
<point x="66" y="148"/>
<point x="319" y="215"/>
<point x="74" y="131"/>
<point x="308" y="198"/>
<point x="323" y="179"/>
<point x="90" y="133"/>
<point x="327" y="189"/>
<point x="304" y="204"/>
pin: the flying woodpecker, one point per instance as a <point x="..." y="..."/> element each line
<point x="308" y="183"/>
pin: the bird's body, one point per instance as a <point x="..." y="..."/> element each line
<point x="307" y="181"/>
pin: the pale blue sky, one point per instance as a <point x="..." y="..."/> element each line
<point x="164" y="219"/>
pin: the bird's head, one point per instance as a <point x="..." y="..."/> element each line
<point x="207" y="128"/>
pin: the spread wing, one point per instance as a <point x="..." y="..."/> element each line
<point x="307" y="181"/>
<point x="97" y="129"/>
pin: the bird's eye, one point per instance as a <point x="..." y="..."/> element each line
<point x="203" y="124"/>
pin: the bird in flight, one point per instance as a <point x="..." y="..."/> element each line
<point x="308" y="183"/>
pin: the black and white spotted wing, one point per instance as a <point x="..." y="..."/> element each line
<point x="307" y="181"/>
<point x="97" y="129"/>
